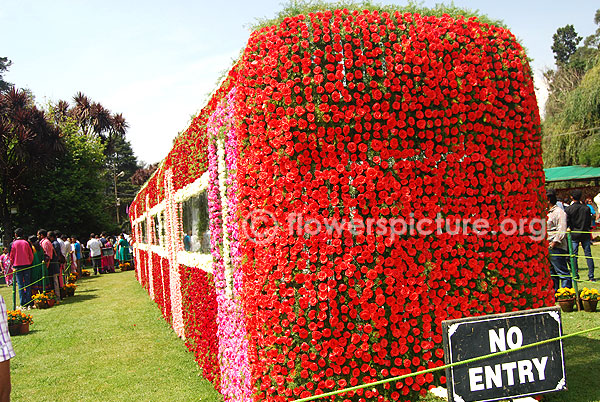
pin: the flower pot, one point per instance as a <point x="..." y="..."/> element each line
<point x="589" y="305"/>
<point x="14" y="329"/>
<point x="40" y="304"/>
<point x="51" y="302"/>
<point x="567" y="305"/>
<point x="70" y="292"/>
<point x="24" y="328"/>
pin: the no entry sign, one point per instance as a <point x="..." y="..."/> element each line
<point x="535" y="370"/>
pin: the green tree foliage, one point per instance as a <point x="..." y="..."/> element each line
<point x="570" y="130"/>
<point x="29" y="143"/>
<point x="4" y="65"/>
<point x="565" y="42"/>
<point x="70" y="195"/>
<point x="122" y="159"/>
<point x="94" y="121"/>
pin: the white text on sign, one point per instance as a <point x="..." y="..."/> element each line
<point x="499" y="375"/>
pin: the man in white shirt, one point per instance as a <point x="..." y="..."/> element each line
<point x="69" y="253"/>
<point x="95" y="248"/>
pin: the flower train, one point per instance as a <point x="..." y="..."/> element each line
<point x="347" y="116"/>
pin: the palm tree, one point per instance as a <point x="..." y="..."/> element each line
<point x="95" y="119"/>
<point x="28" y="143"/>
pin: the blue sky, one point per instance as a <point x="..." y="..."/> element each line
<point x="157" y="62"/>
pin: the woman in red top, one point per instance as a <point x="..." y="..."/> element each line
<point x="21" y="257"/>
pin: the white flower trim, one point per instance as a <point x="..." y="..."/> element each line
<point x="141" y="246"/>
<point x="158" y="208"/>
<point x="192" y="189"/>
<point x="196" y="260"/>
<point x="185" y="193"/>
<point x="160" y="251"/>
<point x="222" y="172"/>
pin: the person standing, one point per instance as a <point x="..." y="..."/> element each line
<point x="95" y="248"/>
<point x="107" y="260"/>
<point x="557" y="243"/>
<point x="590" y="205"/>
<point x="62" y="256"/>
<point x="579" y="220"/>
<point x="103" y="239"/>
<point x="6" y="266"/>
<point x="123" y="254"/>
<point x="187" y="241"/>
<point x="51" y="259"/>
<point x="56" y="246"/>
<point x="6" y="353"/>
<point x="21" y="258"/>
<point x="68" y="253"/>
<point x="37" y="269"/>
<point x="76" y="247"/>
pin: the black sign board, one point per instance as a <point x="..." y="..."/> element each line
<point x="530" y="371"/>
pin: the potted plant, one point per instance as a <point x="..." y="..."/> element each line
<point x="26" y="320"/>
<point x="72" y="278"/>
<point x="125" y="266"/>
<point x="14" y="321"/>
<point x="566" y="299"/>
<point x="70" y="289"/>
<point x="40" y="300"/>
<point x="51" y="298"/>
<point x="589" y="298"/>
<point x="85" y="272"/>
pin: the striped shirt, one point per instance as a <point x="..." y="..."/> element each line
<point x="6" y="349"/>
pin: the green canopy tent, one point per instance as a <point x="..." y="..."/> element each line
<point x="572" y="173"/>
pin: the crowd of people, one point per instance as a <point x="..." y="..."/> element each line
<point x="52" y="254"/>
<point x="580" y="217"/>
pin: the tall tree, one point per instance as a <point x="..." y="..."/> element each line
<point x="70" y="194"/>
<point x="565" y="42"/>
<point x="4" y="65"/>
<point x="573" y="106"/>
<point x="97" y="122"/>
<point x="28" y="143"/>
<point x="95" y="119"/>
<point x="121" y="166"/>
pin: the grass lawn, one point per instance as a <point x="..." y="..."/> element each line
<point x="108" y="343"/>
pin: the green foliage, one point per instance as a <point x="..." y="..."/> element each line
<point x="582" y="106"/>
<point x="565" y="42"/>
<point x="297" y="7"/>
<point x="4" y="65"/>
<point x="69" y="196"/>
<point x="570" y="130"/>
<point x="29" y="143"/>
<point x="121" y="159"/>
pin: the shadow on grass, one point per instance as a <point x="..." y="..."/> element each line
<point x="31" y="332"/>
<point x="79" y="297"/>
<point x="581" y="359"/>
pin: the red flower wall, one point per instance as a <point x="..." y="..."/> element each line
<point x="199" y="314"/>
<point x="378" y="116"/>
<point x="373" y="116"/>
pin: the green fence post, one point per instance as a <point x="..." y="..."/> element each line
<point x="573" y="273"/>
<point x="14" y="292"/>
<point x="44" y="273"/>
